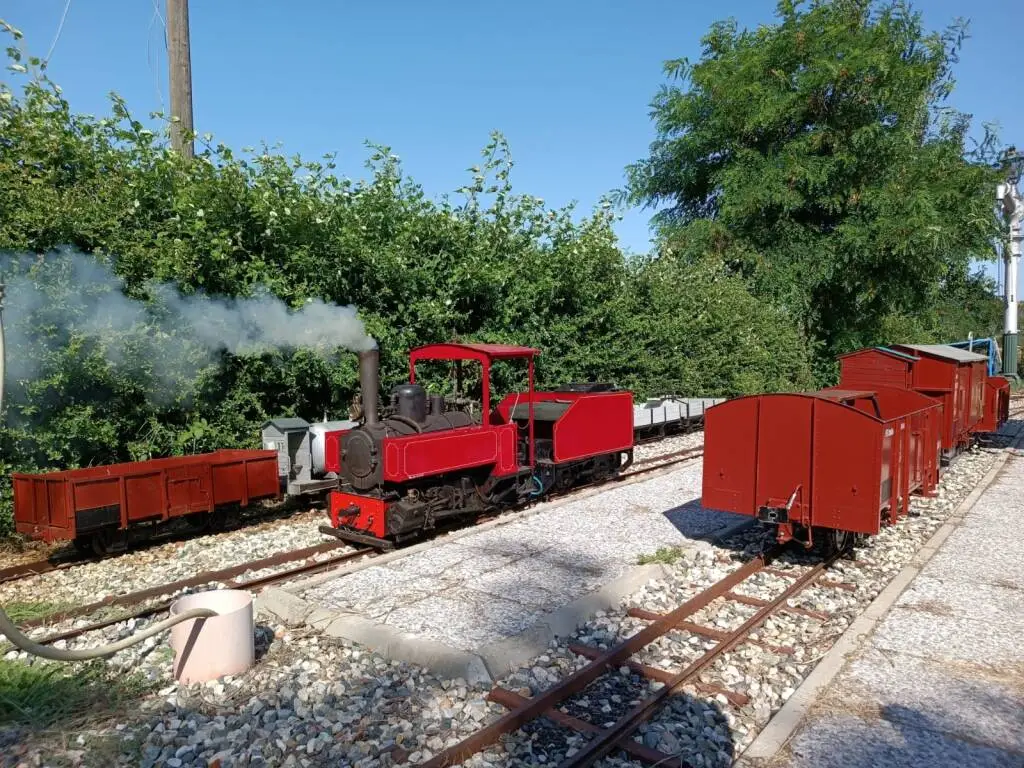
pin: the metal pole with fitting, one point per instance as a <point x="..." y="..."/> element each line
<point x="2" y="350"/>
<point x="1013" y="209"/>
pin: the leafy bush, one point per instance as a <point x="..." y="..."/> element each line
<point x="487" y="264"/>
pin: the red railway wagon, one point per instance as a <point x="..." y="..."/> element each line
<point x="997" y="403"/>
<point x="97" y="506"/>
<point x="953" y="376"/>
<point x="825" y="465"/>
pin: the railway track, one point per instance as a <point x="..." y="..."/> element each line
<point x="229" y="577"/>
<point x="39" y="567"/>
<point x="69" y="559"/>
<point x="550" y="703"/>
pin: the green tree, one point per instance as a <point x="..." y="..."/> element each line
<point x="816" y="158"/>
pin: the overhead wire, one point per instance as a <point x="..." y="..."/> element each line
<point x="149" y="50"/>
<point x="60" y="28"/>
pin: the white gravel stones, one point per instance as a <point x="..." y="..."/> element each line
<point x="160" y="564"/>
<point x="313" y="702"/>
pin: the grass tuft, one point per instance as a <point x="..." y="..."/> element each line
<point x="666" y="555"/>
<point x="19" y="612"/>
<point x="45" y="694"/>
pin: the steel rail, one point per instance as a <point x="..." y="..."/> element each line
<point x="224" y="574"/>
<point x="37" y="568"/>
<point x="581" y="678"/>
<point x="607" y="741"/>
<point x="306" y="568"/>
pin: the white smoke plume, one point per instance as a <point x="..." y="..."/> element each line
<point x="173" y="335"/>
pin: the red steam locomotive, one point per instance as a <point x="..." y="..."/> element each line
<point x="426" y="459"/>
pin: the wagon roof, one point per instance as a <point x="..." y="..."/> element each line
<point x="287" y="423"/>
<point x="884" y="350"/>
<point x="947" y="352"/>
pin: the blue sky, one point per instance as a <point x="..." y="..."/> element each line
<point x="568" y="83"/>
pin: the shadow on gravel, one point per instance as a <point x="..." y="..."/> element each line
<point x="696" y="522"/>
<point x="897" y="736"/>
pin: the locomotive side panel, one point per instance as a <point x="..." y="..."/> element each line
<point x="416" y="456"/>
<point x="593" y="425"/>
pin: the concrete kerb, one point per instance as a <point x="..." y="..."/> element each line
<point x="780" y="729"/>
<point x="298" y="587"/>
<point x="485" y="664"/>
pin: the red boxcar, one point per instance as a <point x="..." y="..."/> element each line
<point x="90" y="504"/>
<point x="952" y="376"/>
<point x="839" y="461"/>
<point x="997" y="404"/>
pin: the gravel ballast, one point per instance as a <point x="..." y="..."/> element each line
<point x="312" y="701"/>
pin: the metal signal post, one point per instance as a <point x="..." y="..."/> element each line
<point x="1012" y="203"/>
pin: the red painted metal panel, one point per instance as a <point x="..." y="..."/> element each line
<point x="730" y="455"/>
<point x="870" y="368"/>
<point x="364" y="513"/>
<point x="332" y="450"/>
<point x="595" y="424"/>
<point x="848" y="469"/>
<point x="435" y="453"/>
<point x="997" y="404"/>
<point x="785" y="440"/>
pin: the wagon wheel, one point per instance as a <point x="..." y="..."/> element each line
<point x="106" y="541"/>
<point x="833" y="541"/>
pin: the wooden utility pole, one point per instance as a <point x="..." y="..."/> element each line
<point x="179" y="58"/>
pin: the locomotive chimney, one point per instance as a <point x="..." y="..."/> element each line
<point x="369" y="383"/>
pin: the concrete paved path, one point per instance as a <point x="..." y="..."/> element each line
<point x="495" y="598"/>
<point x="940" y="682"/>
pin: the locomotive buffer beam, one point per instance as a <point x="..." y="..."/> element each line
<point x="358" y="538"/>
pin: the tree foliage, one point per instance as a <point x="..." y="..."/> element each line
<point x="485" y="264"/>
<point x="818" y="160"/>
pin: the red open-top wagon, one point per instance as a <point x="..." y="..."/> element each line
<point x="97" y="506"/>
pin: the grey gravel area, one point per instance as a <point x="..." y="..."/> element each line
<point x="313" y="701"/>
<point x="155" y="565"/>
<point x="495" y="584"/>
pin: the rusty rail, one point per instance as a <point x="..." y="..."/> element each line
<point x="222" y="575"/>
<point x="619" y="736"/>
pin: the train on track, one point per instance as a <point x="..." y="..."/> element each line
<point x="831" y="467"/>
<point x="394" y="472"/>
